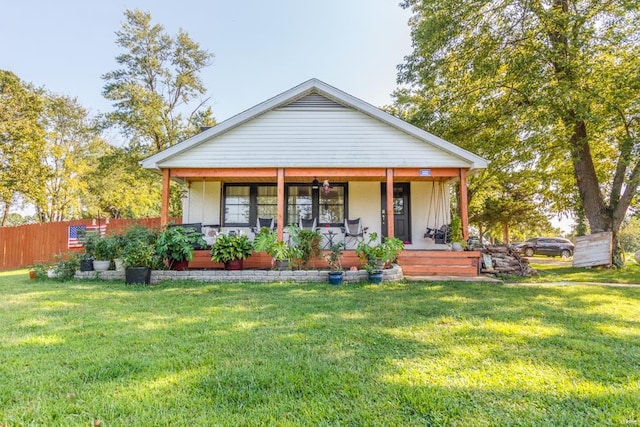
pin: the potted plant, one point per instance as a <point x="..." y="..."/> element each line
<point x="175" y="244"/>
<point x="139" y="255"/>
<point x="334" y="259"/>
<point x="374" y="255"/>
<point x="86" y="261"/>
<point x="305" y="245"/>
<point x="117" y="242"/>
<point x="266" y="241"/>
<point x="390" y="250"/>
<point x="231" y="250"/>
<point x="457" y="243"/>
<point x="103" y="254"/>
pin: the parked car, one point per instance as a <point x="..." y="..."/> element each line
<point x="549" y="246"/>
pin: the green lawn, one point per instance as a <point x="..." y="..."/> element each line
<point x="191" y="354"/>
<point x="630" y="274"/>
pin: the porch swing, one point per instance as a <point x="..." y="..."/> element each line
<point x="440" y="233"/>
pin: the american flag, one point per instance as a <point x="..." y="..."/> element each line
<point x="77" y="232"/>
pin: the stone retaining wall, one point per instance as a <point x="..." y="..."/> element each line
<point x="393" y="274"/>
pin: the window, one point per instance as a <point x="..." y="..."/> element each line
<point x="299" y="203"/>
<point x="237" y="203"/>
<point x="331" y="206"/>
<point x="328" y="207"/>
<point x="244" y="204"/>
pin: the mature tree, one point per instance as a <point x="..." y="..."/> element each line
<point x="505" y="206"/>
<point x="630" y="234"/>
<point x="120" y="188"/>
<point x="159" y="79"/>
<point x="550" y="86"/>
<point x="71" y="151"/>
<point x="21" y="141"/>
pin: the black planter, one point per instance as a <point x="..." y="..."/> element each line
<point x="375" y="277"/>
<point x="140" y="275"/>
<point x="86" y="265"/>
<point x="335" y="277"/>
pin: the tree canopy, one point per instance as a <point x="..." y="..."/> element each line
<point x="159" y="79"/>
<point x="550" y="87"/>
<point x="21" y="141"/>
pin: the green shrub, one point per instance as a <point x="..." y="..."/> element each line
<point x="231" y="247"/>
<point x="176" y="243"/>
<point x="66" y="265"/>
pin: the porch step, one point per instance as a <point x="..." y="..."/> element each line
<point x="439" y="263"/>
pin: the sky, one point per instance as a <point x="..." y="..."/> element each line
<point x="261" y="48"/>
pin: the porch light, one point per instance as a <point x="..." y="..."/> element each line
<point x="315" y="184"/>
<point x="325" y="186"/>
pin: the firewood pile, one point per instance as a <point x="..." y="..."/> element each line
<point x="501" y="259"/>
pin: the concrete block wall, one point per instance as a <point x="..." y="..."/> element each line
<point x="393" y="274"/>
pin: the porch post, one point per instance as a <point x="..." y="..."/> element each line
<point x="280" y="206"/>
<point x="389" y="207"/>
<point x="164" y="207"/>
<point x="464" y="205"/>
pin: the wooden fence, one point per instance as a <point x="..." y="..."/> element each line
<point x="24" y="245"/>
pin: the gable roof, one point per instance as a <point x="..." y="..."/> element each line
<point x="311" y="95"/>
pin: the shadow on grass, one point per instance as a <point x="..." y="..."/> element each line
<point x="237" y="353"/>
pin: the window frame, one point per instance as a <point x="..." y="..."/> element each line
<point x="253" y="203"/>
<point x="315" y="202"/>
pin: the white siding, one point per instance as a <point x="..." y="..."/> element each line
<point x="291" y="138"/>
<point x="365" y="203"/>
<point x="202" y="206"/>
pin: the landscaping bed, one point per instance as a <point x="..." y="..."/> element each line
<point x="255" y="275"/>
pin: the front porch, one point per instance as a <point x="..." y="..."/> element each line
<point x="414" y="263"/>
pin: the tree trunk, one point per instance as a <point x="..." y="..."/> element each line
<point x="505" y="234"/>
<point x="5" y="213"/>
<point x="598" y="214"/>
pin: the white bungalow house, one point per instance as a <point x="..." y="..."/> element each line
<point x="317" y="153"/>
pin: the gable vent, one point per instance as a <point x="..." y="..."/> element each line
<point x="313" y="102"/>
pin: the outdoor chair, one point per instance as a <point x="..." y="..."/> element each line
<point x="264" y="223"/>
<point x="307" y="224"/>
<point x="353" y="231"/>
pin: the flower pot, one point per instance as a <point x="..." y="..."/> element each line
<point x="119" y="264"/>
<point x="181" y="265"/>
<point x="335" y="277"/>
<point x="234" y="264"/>
<point x="101" y="265"/>
<point x="32" y="275"/>
<point x="51" y="273"/>
<point x="375" y="277"/>
<point x="86" y="265"/>
<point x="282" y="265"/>
<point x="140" y="275"/>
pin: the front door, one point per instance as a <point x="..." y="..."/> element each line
<point x="401" y="211"/>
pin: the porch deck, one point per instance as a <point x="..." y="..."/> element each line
<point x="413" y="262"/>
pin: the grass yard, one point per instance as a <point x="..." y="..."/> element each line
<point x="554" y="270"/>
<point x="191" y="354"/>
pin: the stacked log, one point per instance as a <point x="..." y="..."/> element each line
<point x="501" y="259"/>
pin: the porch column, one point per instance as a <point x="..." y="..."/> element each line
<point x="280" y="206"/>
<point x="389" y="207"/>
<point x="164" y="207"/>
<point x="464" y="205"/>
